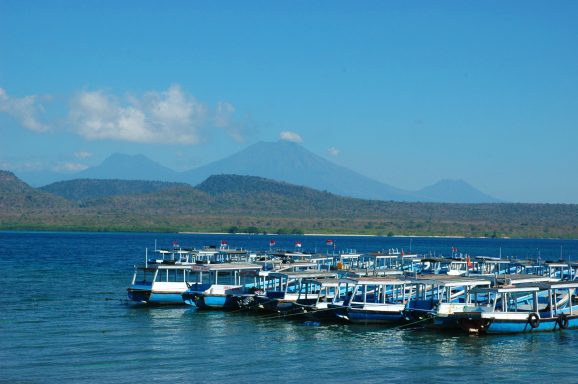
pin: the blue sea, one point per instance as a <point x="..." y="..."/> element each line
<point x="64" y="318"/>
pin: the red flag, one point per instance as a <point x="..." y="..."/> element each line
<point x="224" y="242"/>
<point x="298" y="244"/>
<point x="271" y="243"/>
<point x="329" y="242"/>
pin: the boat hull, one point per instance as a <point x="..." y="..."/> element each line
<point x="476" y="323"/>
<point x="370" y="315"/>
<point x="218" y="302"/>
<point x="151" y="297"/>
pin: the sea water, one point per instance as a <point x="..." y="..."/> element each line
<point x="64" y="318"/>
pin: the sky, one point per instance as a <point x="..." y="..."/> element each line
<point x="405" y="92"/>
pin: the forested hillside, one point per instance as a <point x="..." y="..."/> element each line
<point x="232" y="203"/>
<point x="89" y="189"/>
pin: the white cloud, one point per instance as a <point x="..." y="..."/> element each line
<point x="333" y="151"/>
<point x="82" y="155"/>
<point x="171" y="116"/>
<point x="69" y="167"/>
<point x="25" y="110"/>
<point x="223" y="118"/>
<point x="291" y="136"/>
<point x="223" y="114"/>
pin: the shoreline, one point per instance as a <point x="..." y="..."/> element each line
<point x="343" y="235"/>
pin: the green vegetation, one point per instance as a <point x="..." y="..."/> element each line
<point x="244" y="204"/>
<point x="90" y="189"/>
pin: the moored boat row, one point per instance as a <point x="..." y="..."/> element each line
<point x="475" y="295"/>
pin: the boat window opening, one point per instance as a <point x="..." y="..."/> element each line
<point x="170" y="276"/>
<point x="143" y="275"/>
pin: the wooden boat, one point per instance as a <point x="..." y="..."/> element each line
<point x="159" y="283"/>
<point x="324" y="291"/>
<point x="222" y="286"/>
<point x="282" y="290"/>
<point x="534" y="307"/>
<point x="372" y="299"/>
<point x="438" y="297"/>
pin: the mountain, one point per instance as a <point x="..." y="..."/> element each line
<point x="129" y="167"/>
<point x="282" y="161"/>
<point x="16" y="195"/>
<point x="290" y="162"/>
<point x="455" y="191"/>
<point x="89" y="189"/>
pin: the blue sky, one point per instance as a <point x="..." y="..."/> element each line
<point x="405" y="92"/>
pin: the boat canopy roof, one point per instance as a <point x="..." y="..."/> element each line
<point x="155" y="266"/>
<point x="374" y="272"/>
<point x="521" y="278"/>
<point x="431" y="260"/>
<point x="226" y="267"/>
<point x="303" y="274"/>
<point x="451" y="280"/>
<point x="556" y="264"/>
<point x="324" y="281"/>
<point x="300" y="264"/>
<point x="380" y="256"/>
<point x="375" y="280"/>
<point x="491" y="260"/>
<point x="554" y="285"/>
<point x="506" y="288"/>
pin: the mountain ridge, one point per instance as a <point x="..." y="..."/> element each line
<point x="456" y="191"/>
<point x="290" y="162"/>
<point x="283" y="161"/>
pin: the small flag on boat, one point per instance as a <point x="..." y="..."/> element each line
<point x="224" y="242"/>
<point x="329" y="242"/>
<point x="271" y="243"/>
<point x="298" y="244"/>
<point x="175" y="244"/>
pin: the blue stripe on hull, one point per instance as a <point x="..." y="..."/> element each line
<point x="216" y="302"/>
<point x="546" y="325"/>
<point x="165" y="298"/>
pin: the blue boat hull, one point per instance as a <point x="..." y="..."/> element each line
<point x="497" y="326"/>
<point x="354" y="315"/>
<point x="148" y="297"/>
<point x="218" y="302"/>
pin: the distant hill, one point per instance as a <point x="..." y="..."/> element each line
<point x="16" y="195"/>
<point x="252" y="195"/>
<point x="129" y="167"/>
<point x="224" y="201"/>
<point x="90" y="189"/>
<point x="290" y="162"/>
<point x="455" y="191"/>
<point x="182" y="199"/>
<point x="232" y="202"/>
